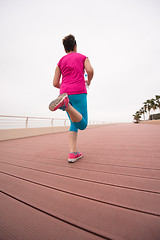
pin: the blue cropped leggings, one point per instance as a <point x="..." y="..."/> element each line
<point x="79" y="102"/>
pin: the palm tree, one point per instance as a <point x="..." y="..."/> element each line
<point x="158" y="101"/>
<point x="137" y="116"/>
<point x="153" y="105"/>
<point x="142" y="111"/>
<point x="145" y="107"/>
<point x="149" y="106"/>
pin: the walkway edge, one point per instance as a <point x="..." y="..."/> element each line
<point x="9" y="134"/>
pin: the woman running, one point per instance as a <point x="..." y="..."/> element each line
<point x="73" y="92"/>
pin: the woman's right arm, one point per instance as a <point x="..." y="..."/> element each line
<point x="56" y="79"/>
<point x="89" y="70"/>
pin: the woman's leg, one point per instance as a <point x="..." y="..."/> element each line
<point x="75" y="116"/>
<point x="78" y="117"/>
<point x="73" y="141"/>
<point x="76" y="109"/>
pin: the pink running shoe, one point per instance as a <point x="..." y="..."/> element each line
<point x="60" y="102"/>
<point x="74" y="156"/>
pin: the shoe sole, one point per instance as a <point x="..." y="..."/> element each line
<point x="57" y="101"/>
<point x="74" y="160"/>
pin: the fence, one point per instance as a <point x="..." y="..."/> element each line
<point x="10" y="122"/>
<point x="13" y="122"/>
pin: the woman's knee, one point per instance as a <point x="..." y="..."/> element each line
<point x="82" y="126"/>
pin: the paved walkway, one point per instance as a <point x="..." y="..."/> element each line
<point x="113" y="192"/>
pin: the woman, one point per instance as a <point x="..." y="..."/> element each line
<point x="73" y="93"/>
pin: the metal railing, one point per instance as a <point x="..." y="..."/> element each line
<point x="10" y="122"/>
<point x="26" y="121"/>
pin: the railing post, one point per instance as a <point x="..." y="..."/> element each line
<point x="27" y="122"/>
<point x="52" y="122"/>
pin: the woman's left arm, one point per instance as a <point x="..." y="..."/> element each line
<point x="56" y="79"/>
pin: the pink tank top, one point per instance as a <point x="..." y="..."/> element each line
<point x="72" y="69"/>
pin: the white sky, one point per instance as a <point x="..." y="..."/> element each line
<point x="120" y="37"/>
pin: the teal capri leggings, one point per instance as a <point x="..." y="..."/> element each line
<point x="79" y="102"/>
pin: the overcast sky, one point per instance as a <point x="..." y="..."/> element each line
<point x="120" y="37"/>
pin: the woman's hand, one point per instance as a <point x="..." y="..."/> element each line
<point x="87" y="83"/>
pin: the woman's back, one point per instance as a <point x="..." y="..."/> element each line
<point x="72" y="69"/>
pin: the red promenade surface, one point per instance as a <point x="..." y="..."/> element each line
<point x="111" y="193"/>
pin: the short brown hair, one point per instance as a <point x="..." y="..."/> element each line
<point x="69" y="42"/>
